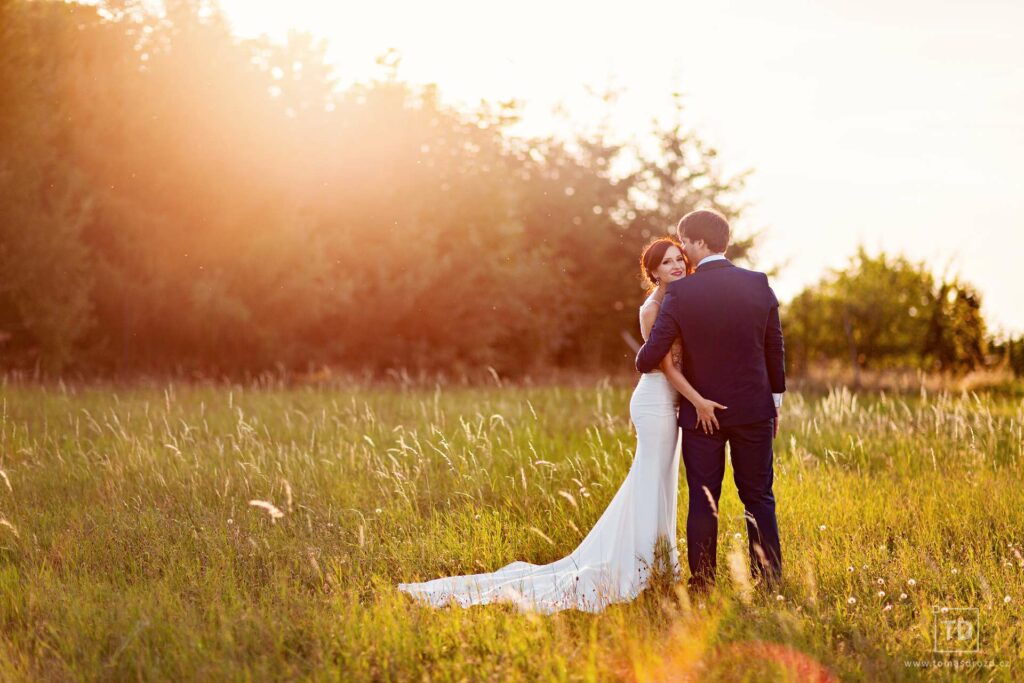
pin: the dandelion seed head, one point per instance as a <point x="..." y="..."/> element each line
<point x="911" y="582"/>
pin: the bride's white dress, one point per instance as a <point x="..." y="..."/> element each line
<point x="614" y="561"/>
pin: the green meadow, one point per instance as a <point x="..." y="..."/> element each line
<point x="130" y="549"/>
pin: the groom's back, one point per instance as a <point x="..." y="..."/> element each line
<point x="724" y="313"/>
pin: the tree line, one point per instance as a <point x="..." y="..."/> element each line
<point x="179" y="199"/>
<point x="176" y="199"/>
<point x="884" y="311"/>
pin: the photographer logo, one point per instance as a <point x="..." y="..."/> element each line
<point x="956" y="629"/>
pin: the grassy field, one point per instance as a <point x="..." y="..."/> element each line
<point x="129" y="548"/>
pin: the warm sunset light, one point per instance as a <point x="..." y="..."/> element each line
<point x="536" y="341"/>
<point x="893" y="125"/>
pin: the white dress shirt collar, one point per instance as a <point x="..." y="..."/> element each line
<point x="711" y="257"/>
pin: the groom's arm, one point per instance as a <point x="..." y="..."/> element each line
<point x="664" y="332"/>
<point x="774" y="349"/>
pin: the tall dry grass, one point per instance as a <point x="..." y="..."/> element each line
<point x="240" y="533"/>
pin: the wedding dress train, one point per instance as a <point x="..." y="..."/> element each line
<point x="615" y="560"/>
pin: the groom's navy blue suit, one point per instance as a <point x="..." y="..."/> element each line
<point x="728" y="320"/>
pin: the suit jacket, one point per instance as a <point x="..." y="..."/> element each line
<point x="733" y="353"/>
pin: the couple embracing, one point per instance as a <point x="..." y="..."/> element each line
<point x="713" y="369"/>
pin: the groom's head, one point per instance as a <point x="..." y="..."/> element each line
<point x="702" y="233"/>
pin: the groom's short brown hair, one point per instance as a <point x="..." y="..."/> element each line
<point x="707" y="225"/>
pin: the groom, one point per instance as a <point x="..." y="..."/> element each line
<point x="728" y="320"/>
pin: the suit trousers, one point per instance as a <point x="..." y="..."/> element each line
<point x="750" y="448"/>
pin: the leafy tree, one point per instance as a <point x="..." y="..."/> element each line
<point x="883" y="311"/>
<point x="183" y="200"/>
<point x="681" y="176"/>
<point x="45" y="304"/>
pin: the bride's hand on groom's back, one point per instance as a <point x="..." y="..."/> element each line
<point x="706" y="420"/>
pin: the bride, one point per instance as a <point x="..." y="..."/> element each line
<point x="615" y="560"/>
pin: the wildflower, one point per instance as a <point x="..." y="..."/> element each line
<point x="955" y="571"/>
<point x="1007" y="599"/>
<point x="887" y="608"/>
<point x="852" y="600"/>
<point x="822" y="527"/>
<point x="850" y="569"/>
<point x="903" y="596"/>
<point x="881" y="582"/>
<point x="780" y="598"/>
<point x="881" y="594"/>
<point x="911" y="582"/>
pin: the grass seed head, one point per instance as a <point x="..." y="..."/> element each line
<point x="272" y="510"/>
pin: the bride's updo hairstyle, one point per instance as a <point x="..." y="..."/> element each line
<point x="651" y="258"/>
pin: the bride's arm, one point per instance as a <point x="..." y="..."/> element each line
<point x="706" y="419"/>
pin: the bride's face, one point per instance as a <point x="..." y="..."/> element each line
<point x="672" y="267"/>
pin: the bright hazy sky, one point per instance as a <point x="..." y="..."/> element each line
<point x="897" y="124"/>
